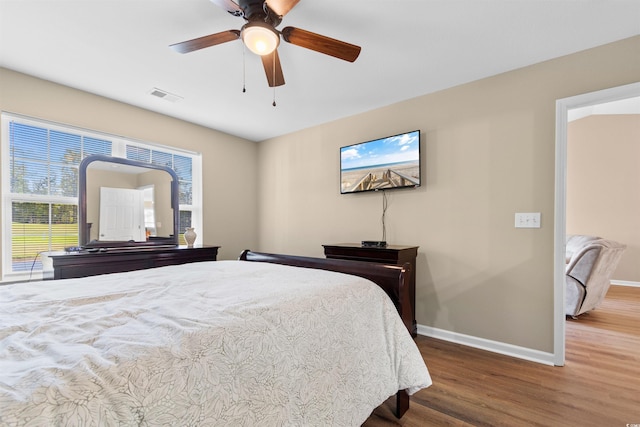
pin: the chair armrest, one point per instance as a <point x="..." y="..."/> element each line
<point x="582" y="262"/>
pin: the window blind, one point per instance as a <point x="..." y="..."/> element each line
<point x="43" y="171"/>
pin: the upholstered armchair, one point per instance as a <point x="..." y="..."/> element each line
<point x="591" y="261"/>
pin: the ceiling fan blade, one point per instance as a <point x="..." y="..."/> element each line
<point x="228" y="5"/>
<point x="282" y="7"/>
<point x="323" y="44"/>
<point x="273" y="71"/>
<point x="206" y="41"/>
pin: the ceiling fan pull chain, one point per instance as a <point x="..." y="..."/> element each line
<point x="274" y="79"/>
<point x="244" y="70"/>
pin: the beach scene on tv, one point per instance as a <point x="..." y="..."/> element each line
<point x="391" y="162"/>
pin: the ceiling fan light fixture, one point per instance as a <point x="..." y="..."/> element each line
<point x="260" y="38"/>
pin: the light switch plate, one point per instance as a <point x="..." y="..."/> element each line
<point x="528" y="220"/>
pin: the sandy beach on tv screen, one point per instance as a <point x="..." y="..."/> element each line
<point x="351" y="178"/>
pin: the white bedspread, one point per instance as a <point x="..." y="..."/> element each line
<point x="226" y="343"/>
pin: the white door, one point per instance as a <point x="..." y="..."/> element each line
<point x="121" y="214"/>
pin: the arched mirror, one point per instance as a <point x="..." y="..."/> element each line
<point x="126" y="203"/>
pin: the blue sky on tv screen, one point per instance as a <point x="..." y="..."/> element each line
<point x="393" y="149"/>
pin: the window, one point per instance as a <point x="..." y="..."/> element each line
<point x="40" y="163"/>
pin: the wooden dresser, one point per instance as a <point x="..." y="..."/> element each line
<point x="390" y="254"/>
<point x="83" y="264"/>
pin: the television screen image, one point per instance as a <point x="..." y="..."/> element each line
<point x="382" y="164"/>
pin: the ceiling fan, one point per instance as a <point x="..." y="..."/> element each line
<point x="259" y="34"/>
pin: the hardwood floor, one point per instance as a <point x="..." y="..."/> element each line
<point x="598" y="386"/>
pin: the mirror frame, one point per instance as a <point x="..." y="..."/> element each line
<point x="83" y="238"/>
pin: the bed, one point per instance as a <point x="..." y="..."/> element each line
<point x="265" y="340"/>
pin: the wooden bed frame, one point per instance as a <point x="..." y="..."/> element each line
<point x="391" y="278"/>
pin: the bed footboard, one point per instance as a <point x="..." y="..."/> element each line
<point x="391" y="278"/>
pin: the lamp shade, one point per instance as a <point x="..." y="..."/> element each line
<point x="260" y="38"/>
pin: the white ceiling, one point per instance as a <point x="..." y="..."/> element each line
<point x="119" y="49"/>
<point x="623" y="106"/>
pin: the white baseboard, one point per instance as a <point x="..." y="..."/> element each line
<point x="625" y="283"/>
<point x="489" y="345"/>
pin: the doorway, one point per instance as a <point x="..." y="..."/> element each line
<point x="563" y="106"/>
<point x="121" y="215"/>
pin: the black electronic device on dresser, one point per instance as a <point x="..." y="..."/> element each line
<point x="116" y="260"/>
<point x="388" y="254"/>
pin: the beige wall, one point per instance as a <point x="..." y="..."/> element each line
<point x="489" y="150"/>
<point x="163" y="213"/>
<point x="230" y="206"/>
<point x="603" y="184"/>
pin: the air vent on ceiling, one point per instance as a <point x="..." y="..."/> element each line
<point x="163" y="94"/>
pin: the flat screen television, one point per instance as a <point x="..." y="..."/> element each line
<point x="382" y="164"/>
